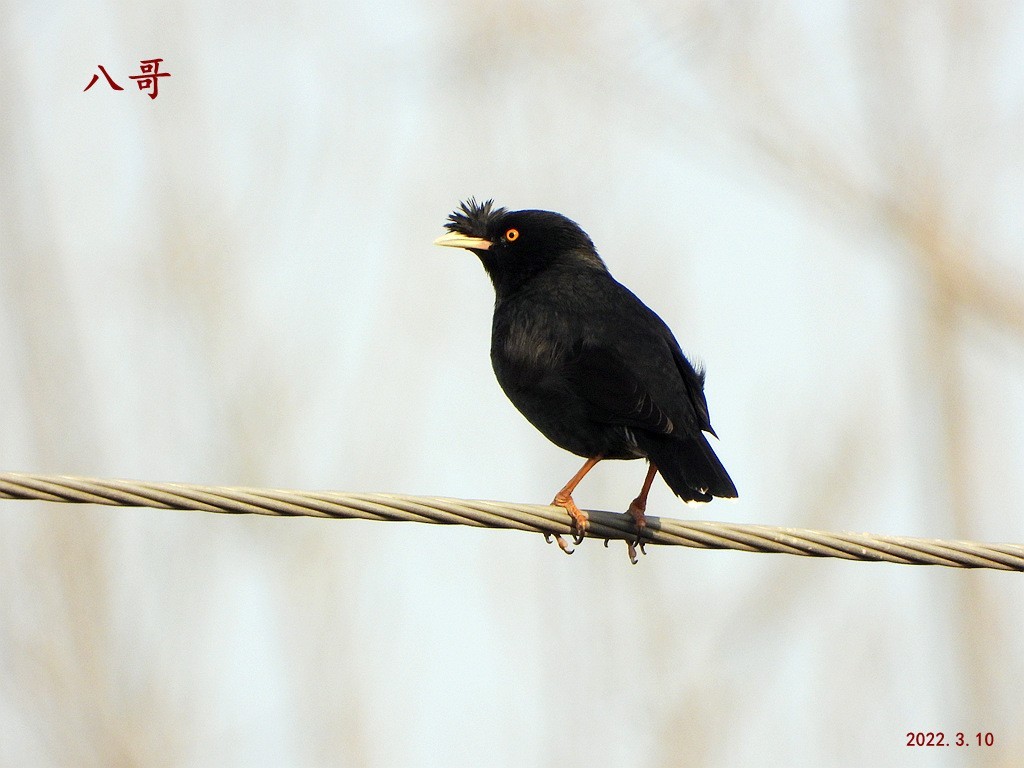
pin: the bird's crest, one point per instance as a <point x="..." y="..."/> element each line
<point x="472" y="218"/>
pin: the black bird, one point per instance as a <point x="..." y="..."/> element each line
<point x="584" y="360"/>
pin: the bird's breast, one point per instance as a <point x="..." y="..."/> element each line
<point x="525" y="351"/>
<point x="528" y="344"/>
<point x="532" y="352"/>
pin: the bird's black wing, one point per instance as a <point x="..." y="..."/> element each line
<point x="631" y="370"/>
<point x="612" y="392"/>
<point x="693" y="379"/>
<point x="663" y="406"/>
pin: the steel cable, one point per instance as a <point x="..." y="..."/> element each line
<point x="547" y="520"/>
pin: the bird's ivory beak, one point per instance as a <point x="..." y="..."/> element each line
<point x="458" y="240"/>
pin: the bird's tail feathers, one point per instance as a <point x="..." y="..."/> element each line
<point x="689" y="466"/>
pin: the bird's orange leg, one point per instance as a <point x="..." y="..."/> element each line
<point x="564" y="499"/>
<point x="636" y="510"/>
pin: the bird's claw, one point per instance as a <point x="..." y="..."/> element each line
<point x="562" y="543"/>
<point x="636" y="511"/>
<point x="631" y="549"/>
<point x="580" y="520"/>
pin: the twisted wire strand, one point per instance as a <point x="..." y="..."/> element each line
<point x="548" y="520"/>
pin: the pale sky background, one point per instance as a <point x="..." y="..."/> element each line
<point x="234" y="283"/>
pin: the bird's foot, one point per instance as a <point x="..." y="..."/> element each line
<point x="631" y="547"/>
<point x="579" y="517"/>
<point x="562" y="543"/>
<point x="636" y="511"/>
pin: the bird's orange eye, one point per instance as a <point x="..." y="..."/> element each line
<point x="512" y="235"/>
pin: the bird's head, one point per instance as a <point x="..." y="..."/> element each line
<point x="515" y="245"/>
